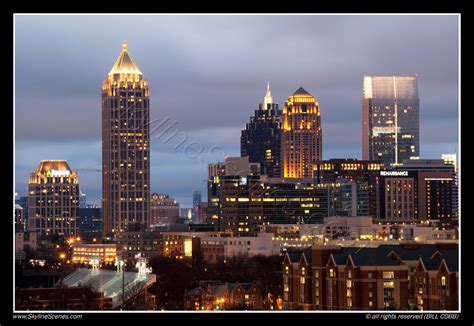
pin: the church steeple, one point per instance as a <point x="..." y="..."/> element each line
<point x="268" y="99"/>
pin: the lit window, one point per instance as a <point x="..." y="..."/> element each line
<point x="443" y="281"/>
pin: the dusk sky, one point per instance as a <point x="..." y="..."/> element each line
<point x="207" y="75"/>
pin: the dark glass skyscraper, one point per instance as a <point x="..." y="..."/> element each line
<point x="125" y="147"/>
<point x="261" y="139"/>
<point x="390" y="119"/>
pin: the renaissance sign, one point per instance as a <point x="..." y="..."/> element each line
<point x="394" y="173"/>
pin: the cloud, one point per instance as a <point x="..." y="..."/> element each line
<point x="208" y="73"/>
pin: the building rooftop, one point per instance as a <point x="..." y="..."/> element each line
<point x="301" y="91"/>
<point x="47" y="165"/>
<point x="125" y="64"/>
<point x="109" y="282"/>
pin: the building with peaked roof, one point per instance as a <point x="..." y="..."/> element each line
<point x="53" y="199"/>
<point x="386" y="277"/>
<point x="214" y="295"/>
<point x="301" y="135"/>
<point x="125" y="147"/>
<point x="261" y="138"/>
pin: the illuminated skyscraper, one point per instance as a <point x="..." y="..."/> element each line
<point x="261" y="139"/>
<point x="390" y="119"/>
<point x="301" y="135"/>
<point x="53" y="199"/>
<point x="125" y="147"/>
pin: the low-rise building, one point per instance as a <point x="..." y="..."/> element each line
<point x="77" y="298"/>
<point x="224" y="296"/>
<point x="227" y="246"/>
<point x="25" y="241"/>
<point x="132" y="245"/>
<point x="83" y="253"/>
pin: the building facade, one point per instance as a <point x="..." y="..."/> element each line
<point x="132" y="245"/>
<point x="223" y="296"/>
<point x="227" y="246"/>
<point x="90" y="222"/>
<point x="21" y="224"/>
<point x="53" y="199"/>
<point x="106" y="253"/>
<point x="125" y="147"/>
<point x="163" y="209"/>
<point x="386" y="277"/>
<point x="301" y="135"/>
<point x="450" y="159"/>
<point x="197" y="199"/>
<point x="353" y="170"/>
<point x="261" y="138"/>
<point x="418" y="190"/>
<point x="390" y="119"/>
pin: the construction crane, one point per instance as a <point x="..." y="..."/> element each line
<point x="88" y="170"/>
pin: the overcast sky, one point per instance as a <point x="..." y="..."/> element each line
<point x="207" y="75"/>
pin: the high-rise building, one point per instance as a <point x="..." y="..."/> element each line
<point x="53" y="199"/>
<point x="417" y="190"/>
<point x="90" y="223"/>
<point x="301" y="135"/>
<point x="125" y="147"/>
<point x="390" y="119"/>
<point x="361" y="172"/>
<point x="450" y="159"/>
<point x="82" y="199"/>
<point x="163" y="209"/>
<point x="197" y="200"/>
<point x="20" y="221"/>
<point x="261" y="139"/>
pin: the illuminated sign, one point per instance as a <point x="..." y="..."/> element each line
<point x="58" y="173"/>
<point x="394" y="173"/>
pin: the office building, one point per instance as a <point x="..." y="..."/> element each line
<point x="133" y="245"/>
<point x="82" y="199"/>
<point x="301" y="135"/>
<point x="125" y="147"/>
<point x="261" y="138"/>
<point x="450" y="159"/>
<point x="20" y="221"/>
<point x="106" y="253"/>
<point x="390" y="119"/>
<point x="90" y="223"/>
<point x="353" y="170"/>
<point x="53" y="199"/>
<point x="163" y="209"/>
<point x="196" y="203"/>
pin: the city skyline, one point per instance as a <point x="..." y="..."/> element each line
<point x="172" y="172"/>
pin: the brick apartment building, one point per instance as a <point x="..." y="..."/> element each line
<point x="387" y="277"/>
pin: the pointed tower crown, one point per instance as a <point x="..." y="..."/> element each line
<point x="268" y="99"/>
<point x="125" y="64"/>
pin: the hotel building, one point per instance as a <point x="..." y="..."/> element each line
<point x="53" y="199"/>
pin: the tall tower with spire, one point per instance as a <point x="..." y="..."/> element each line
<point x="301" y="135"/>
<point x="125" y="147"/>
<point x="261" y="138"/>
